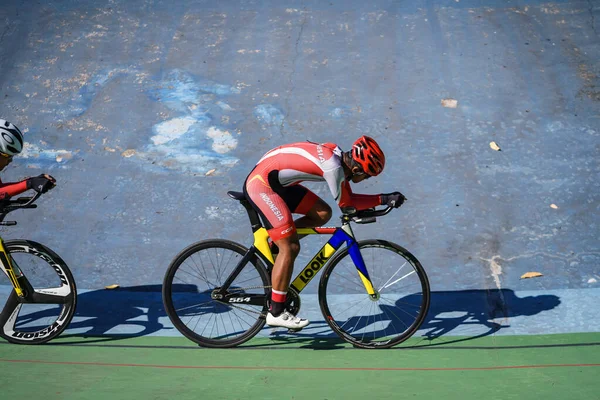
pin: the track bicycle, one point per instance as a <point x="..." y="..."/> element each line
<point x="42" y="299"/>
<point x="372" y="293"/>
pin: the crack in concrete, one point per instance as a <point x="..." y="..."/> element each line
<point x="8" y="21"/>
<point x="591" y="10"/>
<point x="5" y="30"/>
<point x="292" y="73"/>
<point x="496" y="267"/>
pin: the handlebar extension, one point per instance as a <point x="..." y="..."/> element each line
<point x="364" y="216"/>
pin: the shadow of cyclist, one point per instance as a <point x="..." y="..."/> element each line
<point x="104" y="315"/>
<point x="471" y="313"/>
<point x="134" y="310"/>
<point x="489" y="309"/>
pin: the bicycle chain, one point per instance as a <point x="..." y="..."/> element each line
<point x="251" y="287"/>
<point x="243" y="309"/>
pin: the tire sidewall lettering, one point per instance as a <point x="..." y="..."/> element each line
<point x="59" y="270"/>
<point x="67" y="310"/>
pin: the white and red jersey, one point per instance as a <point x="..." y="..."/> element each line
<point x="306" y="161"/>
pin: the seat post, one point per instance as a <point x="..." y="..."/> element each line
<point x="252" y="214"/>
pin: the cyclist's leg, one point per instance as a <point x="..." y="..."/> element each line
<point x="315" y="210"/>
<point x="289" y="247"/>
<point x="300" y="200"/>
<point x="280" y="224"/>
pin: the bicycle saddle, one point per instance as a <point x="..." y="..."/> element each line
<point x="237" y="195"/>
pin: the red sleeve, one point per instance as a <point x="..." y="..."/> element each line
<point x="10" y="189"/>
<point x="359" y="201"/>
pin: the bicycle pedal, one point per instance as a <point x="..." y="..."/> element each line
<point x="292" y="331"/>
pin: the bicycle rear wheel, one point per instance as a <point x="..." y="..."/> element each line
<point x="395" y="312"/>
<point x="50" y="295"/>
<point x="204" y="313"/>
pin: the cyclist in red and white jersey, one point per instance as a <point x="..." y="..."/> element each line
<point x="11" y="144"/>
<point x="273" y="187"/>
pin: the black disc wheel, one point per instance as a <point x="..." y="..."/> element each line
<point x="49" y="294"/>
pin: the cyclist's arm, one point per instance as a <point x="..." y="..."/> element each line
<point x="342" y="193"/>
<point x="9" y="189"/>
<point x="358" y="201"/>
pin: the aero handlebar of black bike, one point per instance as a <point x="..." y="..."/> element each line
<point x="7" y="206"/>
<point x="364" y="216"/>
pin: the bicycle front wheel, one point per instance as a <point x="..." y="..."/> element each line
<point x="198" y="306"/>
<point x="49" y="299"/>
<point x="387" y="318"/>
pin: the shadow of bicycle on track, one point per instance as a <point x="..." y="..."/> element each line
<point x="135" y="311"/>
<point x="464" y="314"/>
<point x="488" y="311"/>
<point x="108" y="315"/>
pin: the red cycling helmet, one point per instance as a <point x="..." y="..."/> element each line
<point x="367" y="153"/>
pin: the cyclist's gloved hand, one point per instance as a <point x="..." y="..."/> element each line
<point x="41" y="183"/>
<point x="393" y="199"/>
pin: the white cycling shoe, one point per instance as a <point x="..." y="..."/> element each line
<point x="286" y="320"/>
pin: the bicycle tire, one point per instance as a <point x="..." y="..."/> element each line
<point x="350" y="328"/>
<point x="211" y="309"/>
<point x="47" y="299"/>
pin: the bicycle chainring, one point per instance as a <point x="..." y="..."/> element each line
<point x="292" y="302"/>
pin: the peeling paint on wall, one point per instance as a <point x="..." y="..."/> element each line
<point x="38" y="157"/>
<point x="268" y="114"/>
<point x="194" y="141"/>
<point x="172" y="129"/>
<point x="223" y="142"/>
<point x="340" y="112"/>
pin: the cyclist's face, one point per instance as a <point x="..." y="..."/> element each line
<point x="358" y="175"/>
<point x="4" y="161"/>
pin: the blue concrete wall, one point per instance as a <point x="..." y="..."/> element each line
<point x="130" y="103"/>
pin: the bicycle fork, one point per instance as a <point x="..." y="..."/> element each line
<point x="11" y="270"/>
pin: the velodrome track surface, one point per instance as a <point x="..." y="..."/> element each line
<point x="147" y="112"/>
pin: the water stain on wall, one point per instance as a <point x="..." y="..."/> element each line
<point x="193" y="141"/>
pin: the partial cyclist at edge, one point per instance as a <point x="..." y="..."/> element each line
<point x="273" y="188"/>
<point x="11" y="144"/>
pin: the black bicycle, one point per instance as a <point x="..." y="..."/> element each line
<point x="42" y="297"/>
<point x="373" y="293"/>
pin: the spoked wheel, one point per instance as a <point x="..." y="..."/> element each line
<point x="205" y="312"/>
<point x="387" y="318"/>
<point x="50" y="294"/>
